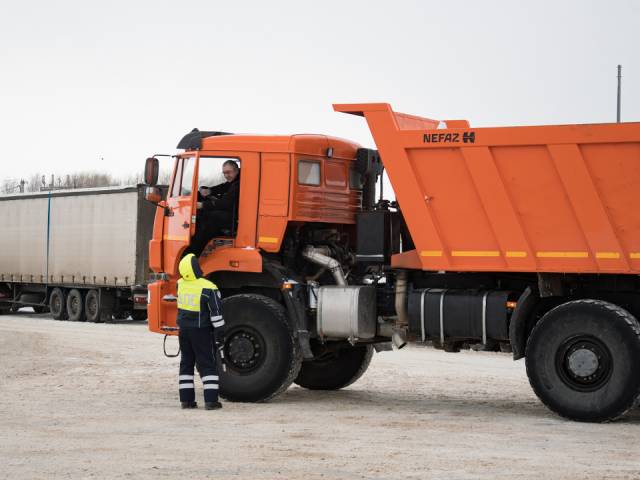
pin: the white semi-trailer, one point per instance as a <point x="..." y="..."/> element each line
<point x="84" y="254"/>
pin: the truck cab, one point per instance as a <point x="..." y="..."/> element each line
<point x="285" y="182"/>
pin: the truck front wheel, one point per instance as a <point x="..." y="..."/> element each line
<point x="583" y="361"/>
<point x="58" y="304"/>
<point x="335" y="369"/>
<point x="262" y="357"/>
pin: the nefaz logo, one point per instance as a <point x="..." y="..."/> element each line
<point x="467" y="137"/>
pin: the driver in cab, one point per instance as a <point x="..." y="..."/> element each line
<point x="215" y="208"/>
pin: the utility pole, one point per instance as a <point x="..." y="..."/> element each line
<point x="21" y="185"/>
<point x="619" y="88"/>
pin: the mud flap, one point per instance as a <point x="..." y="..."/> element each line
<point x="303" y="338"/>
<point x="107" y="301"/>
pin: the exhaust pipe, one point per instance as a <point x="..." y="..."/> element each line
<point x="311" y="254"/>
<point x="399" y="338"/>
<point x="402" y="308"/>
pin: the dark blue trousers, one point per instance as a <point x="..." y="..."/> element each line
<point x="197" y="343"/>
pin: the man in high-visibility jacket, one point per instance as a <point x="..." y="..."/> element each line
<point x="198" y="312"/>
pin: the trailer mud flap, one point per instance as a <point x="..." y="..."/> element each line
<point x="107" y="303"/>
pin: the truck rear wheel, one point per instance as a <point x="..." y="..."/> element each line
<point x="583" y="361"/>
<point x="262" y="357"/>
<point x="92" y="306"/>
<point x="335" y="370"/>
<point x="75" y="305"/>
<point x="58" y="304"/>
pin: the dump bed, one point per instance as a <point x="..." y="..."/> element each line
<point x="549" y="198"/>
<point x="97" y="236"/>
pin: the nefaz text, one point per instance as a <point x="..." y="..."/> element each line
<point x="467" y="137"/>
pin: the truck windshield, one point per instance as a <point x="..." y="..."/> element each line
<point x="183" y="179"/>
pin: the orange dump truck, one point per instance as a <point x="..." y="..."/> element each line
<point x="525" y="239"/>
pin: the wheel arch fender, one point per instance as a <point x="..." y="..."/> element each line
<point x="276" y="276"/>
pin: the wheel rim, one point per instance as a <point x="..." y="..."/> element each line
<point x="56" y="304"/>
<point x="584" y="363"/>
<point x="74" y="305"/>
<point x="245" y="349"/>
<point x="92" y="306"/>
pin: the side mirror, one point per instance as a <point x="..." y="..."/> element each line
<point x="151" y="171"/>
<point x="153" y="194"/>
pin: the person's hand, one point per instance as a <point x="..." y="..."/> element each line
<point x="220" y="342"/>
<point x="205" y="192"/>
<point x="199" y="205"/>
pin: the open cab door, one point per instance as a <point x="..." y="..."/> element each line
<point x="179" y="222"/>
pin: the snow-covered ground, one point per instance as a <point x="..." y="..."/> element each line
<point x="100" y="401"/>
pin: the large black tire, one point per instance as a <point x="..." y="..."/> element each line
<point x="75" y="305"/>
<point x="92" y="306"/>
<point x="41" y="309"/>
<point x="121" y="314"/>
<point x="261" y="354"/>
<point x="338" y="370"/>
<point x="139" y="315"/>
<point x="58" y="304"/>
<point x="583" y="361"/>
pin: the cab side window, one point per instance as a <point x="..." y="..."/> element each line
<point x="309" y="173"/>
<point x="355" y="179"/>
<point x="183" y="178"/>
<point x="210" y="170"/>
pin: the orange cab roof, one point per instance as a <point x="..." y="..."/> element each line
<point x="305" y="144"/>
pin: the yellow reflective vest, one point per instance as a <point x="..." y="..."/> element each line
<point x="198" y="298"/>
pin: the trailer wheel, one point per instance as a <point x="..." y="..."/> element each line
<point x="335" y="370"/>
<point x="262" y="357"/>
<point x="583" y="361"/>
<point x="41" y="309"/>
<point x="92" y="306"/>
<point x="58" y="304"/>
<point x="121" y="314"/>
<point x="75" y="305"/>
<point x="139" y="315"/>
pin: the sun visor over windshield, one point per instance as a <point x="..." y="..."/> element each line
<point x="193" y="139"/>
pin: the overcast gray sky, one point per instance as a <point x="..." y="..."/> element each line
<point x="122" y="80"/>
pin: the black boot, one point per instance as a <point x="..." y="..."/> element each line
<point x="212" y="405"/>
<point x="189" y="404"/>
